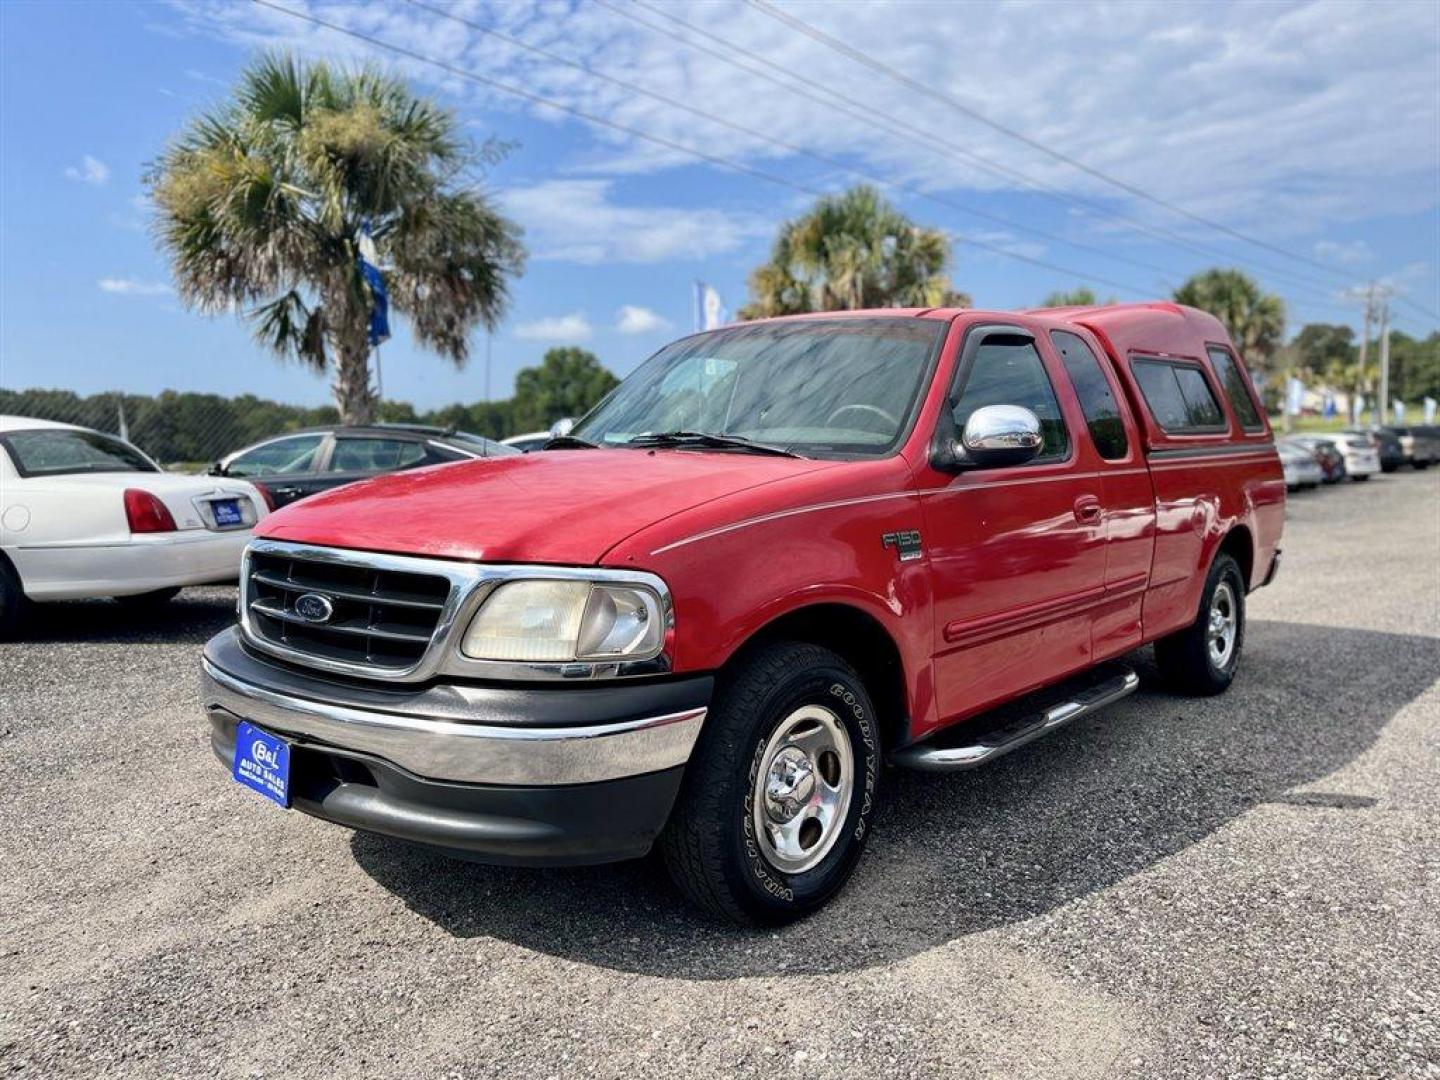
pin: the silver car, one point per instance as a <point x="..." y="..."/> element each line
<point x="1301" y="468"/>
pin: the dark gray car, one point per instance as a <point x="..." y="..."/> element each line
<point x="300" y="463"/>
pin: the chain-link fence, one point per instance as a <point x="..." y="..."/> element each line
<point x="186" y="431"/>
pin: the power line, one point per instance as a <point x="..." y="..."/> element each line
<point x="793" y="148"/>
<point x="713" y="159"/>
<point x="919" y="87"/>
<point x="927" y="140"/>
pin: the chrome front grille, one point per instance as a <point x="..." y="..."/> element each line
<point x="372" y="616"/>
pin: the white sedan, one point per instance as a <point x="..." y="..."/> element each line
<point x="84" y="514"/>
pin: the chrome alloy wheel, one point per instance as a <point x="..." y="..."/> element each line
<point x="1223" y="625"/>
<point x="803" y="789"/>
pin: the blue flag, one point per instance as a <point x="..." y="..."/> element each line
<point x="379" y="298"/>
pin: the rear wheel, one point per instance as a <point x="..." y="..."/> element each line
<point x="779" y="795"/>
<point x="14" y="605"/>
<point x="148" y="601"/>
<point x="1202" y="658"/>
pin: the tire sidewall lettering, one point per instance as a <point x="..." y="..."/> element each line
<point x="847" y="704"/>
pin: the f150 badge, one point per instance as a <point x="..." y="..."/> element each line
<point x="905" y="543"/>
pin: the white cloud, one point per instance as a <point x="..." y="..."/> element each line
<point x="1350" y="254"/>
<point x="559" y="329"/>
<point x="576" y="221"/>
<point x="1262" y="116"/>
<point x="90" y="171"/>
<point x="631" y="319"/>
<point x="133" y="287"/>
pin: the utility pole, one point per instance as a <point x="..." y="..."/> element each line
<point x="1365" y="337"/>
<point x="1385" y="360"/>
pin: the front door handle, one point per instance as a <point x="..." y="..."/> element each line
<point x="1088" y="510"/>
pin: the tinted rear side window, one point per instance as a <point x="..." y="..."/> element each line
<point x="1102" y="414"/>
<point x="1178" y="395"/>
<point x="1235" y="383"/>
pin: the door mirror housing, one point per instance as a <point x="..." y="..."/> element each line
<point x="216" y="469"/>
<point x="999" y="435"/>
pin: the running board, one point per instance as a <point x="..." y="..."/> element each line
<point x="998" y="741"/>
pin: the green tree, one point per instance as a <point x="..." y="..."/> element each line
<point x="851" y="251"/>
<point x="1255" y="319"/>
<point x="567" y="382"/>
<point x="1081" y="296"/>
<point x="261" y="205"/>
<point x="1324" y="349"/>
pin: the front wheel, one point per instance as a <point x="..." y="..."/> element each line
<point x="1202" y="658"/>
<point x="780" y="792"/>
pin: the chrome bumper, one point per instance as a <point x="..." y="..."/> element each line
<point x="458" y="751"/>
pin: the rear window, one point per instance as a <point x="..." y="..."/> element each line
<point x="1235" y="383"/>
<point x="60" y="451"/>
<point x="1179" y="396"/>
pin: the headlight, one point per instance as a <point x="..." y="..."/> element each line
<point x="548" y="621"/>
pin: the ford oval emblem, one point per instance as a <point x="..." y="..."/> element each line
<point x="312" y="607"/>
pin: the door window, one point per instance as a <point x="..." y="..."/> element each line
<point x="278" y="458"/>
<point x="374" y="454"/>
<point x="1009" y="371"/>
<point x="1097" y="401"/>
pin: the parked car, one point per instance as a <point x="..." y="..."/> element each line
<point x="1325" y="452"/>
<point x="291" y="466"/>
<point x="791" y="549"/>
<point x="1419" y="445"/>
<point x="1387" y="444"/>
<point x="536" y="440"/>
<point x="1302" y="470"/>
<point x="84" y="514"/>
<point x="1361" y="452"/>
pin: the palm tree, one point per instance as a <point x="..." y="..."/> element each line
<point x="262" y="205"/>
<point x="1255" y="319"/>
<point x="851" y="251"/>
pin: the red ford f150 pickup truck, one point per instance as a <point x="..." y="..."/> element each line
<point x="777" y="556"/>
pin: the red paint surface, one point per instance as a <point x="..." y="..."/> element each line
<point x="1021" y="583"/>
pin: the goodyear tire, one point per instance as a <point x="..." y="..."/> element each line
<point x="780" y="793"/>
<point x="1202" y="659"/>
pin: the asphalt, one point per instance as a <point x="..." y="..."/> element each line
<point x="1246" y="886"/>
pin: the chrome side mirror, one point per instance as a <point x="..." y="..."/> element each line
<point x="1000" y="435"/>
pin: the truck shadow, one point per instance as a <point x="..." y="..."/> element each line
<point x="954" y="855"/>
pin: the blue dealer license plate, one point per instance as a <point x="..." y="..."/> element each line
<point x="262" y="762"/>
<point x="227" y="512"/>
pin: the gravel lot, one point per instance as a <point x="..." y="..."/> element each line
<point x="1243" y="886"/>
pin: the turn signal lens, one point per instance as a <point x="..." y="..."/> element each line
<point x="146" y="513"/>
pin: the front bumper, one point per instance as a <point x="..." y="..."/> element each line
<point x="534" y="776"/>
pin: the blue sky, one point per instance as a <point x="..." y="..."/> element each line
<point x="1313" y="127"/>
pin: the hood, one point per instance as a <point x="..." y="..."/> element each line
<point x="557" y="506"/>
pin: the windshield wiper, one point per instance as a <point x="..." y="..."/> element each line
<point x="707" y="438"/>
<point x="571" y="442"/>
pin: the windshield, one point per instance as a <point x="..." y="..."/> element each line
<point x="55" y="451"/>
<point x="846" y="387"/>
